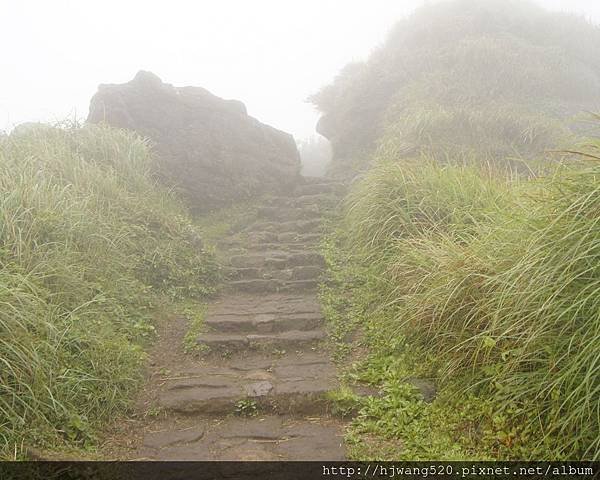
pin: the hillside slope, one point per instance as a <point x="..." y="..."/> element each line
<point x="91" y="247"/>
<point x="464" y="294"/>
<point x="494" y="78"/>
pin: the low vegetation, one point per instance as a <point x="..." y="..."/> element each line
<point x="467" y="253"/>
<point x="91" y="250"/>
<point x="490" y="78"/>
<point x="486" y="283"/>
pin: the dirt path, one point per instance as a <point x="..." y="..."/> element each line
<point x="260" y="391"/>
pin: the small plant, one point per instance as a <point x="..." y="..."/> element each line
<point x="344" y="401"/>
<point x="246" y="407"/>
<point x="195" y="314"/>
<point x="154" y="411"/>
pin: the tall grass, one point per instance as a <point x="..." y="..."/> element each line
<point x="499" y="281"/>
<point x="90" y="245"/>
<point x="405" y="200"/>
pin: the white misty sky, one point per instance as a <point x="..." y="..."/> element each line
<point x="270" y="54"/>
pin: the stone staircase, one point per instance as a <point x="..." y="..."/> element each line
<point x="260" y="390"/>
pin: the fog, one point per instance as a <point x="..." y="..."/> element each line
<point x="269" y="54"/>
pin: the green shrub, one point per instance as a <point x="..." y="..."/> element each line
<point x="90" y="246"/>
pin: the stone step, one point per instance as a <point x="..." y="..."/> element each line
<point x="319" y="201"/>
<point x="299" y="226"/>
<point x="276" y="259"/>
<point x="291" y="237"/>
<point x="260" y="237"/>
<point x="295" y="383"/>
<point x="287" y="241"/>
<point x="259" y="285"/>
<point x="309" y="272"/>
<point x="284" y="247"/>
<point x="232" y="273"/>
<point x="319" y="188"/>
<point x="264" y="322"/>
<point x="274" y="303"/>
<point x="232" y="342"/>
<point x="245" y="248"/>
<point x="288" y="213"/>
<point x="295" y="237"/>
<point x="239" y="438"/>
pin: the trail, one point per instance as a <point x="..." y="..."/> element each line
<point x="260" y="392"/>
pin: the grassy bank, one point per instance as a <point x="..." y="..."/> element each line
<point x="484" y="284"/>
<point x="91" y="247"/>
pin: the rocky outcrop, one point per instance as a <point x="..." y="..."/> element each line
<point x="208" y="147"/>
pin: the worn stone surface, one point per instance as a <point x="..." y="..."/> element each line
<point x="276" y="259"/>
<point x="252" y="439"/>
<point x="230" y="342"/>
<point x="259" y="285"/>
<point x="241" y="315"/>
<point x="241" y="304"/>
<point x="296" y="226"/>
<point x="176" y="437"/>
<point x="207" y="146"/>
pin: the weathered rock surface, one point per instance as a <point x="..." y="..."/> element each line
<point x="208" y="147"/>
<point x="296" y="382"/>
<point x="246" y="439"/>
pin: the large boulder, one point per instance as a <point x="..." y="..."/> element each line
<point x="210" y="148"/>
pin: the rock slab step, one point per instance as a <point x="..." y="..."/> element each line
<point x="285" y="339"/>
<point x="295" y="382"/>
<point x="270" y="437"/>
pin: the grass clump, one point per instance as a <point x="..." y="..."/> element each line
<point x="418" y="197"/>
<point x="246" y="407"/>
<point x="90" y="248"/>
<point x="488" y="285"/>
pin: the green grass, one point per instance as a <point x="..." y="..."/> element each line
<point x="195" y="315"/>
<point x="488" y="284"/>
<point x="491" y="78"/>
<point x="91" y="248"/>
<point x="465" y="253"/>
